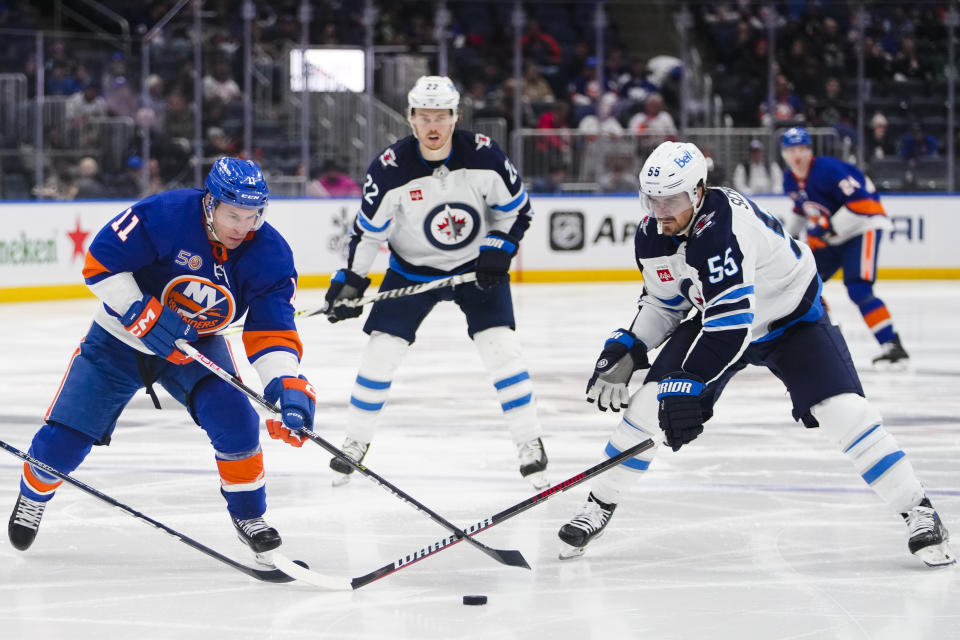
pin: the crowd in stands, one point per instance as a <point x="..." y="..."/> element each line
<point x="816" y="66"/>
<point x="564" y="84"/>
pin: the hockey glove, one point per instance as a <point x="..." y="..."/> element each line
<point x="622" y="355"/>
<point x="493" y="263"/>
<point x="345" y="285"/>
<point x="681" y="417"/>
<point x="158" y="328"/>
<point x="297" y="403"/>
<point x="818" y="232"/>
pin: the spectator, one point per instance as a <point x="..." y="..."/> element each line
<point x="553" y="182"/>
<point x="618" y="179"/>
<point x="916" y="143"/>
<point x="756" y="175"/>
<point x="218" y="84"/>
<point x="654" y="125"/>
<point x="540" y="47"/>
<point x="557" y="117"/>
<point x="127" y="184"/>
<point x="59" y="183"/>
<point x="80" y="109"/>
<point x="60" y="81"/>
<point x="535" y="88"/>
<point x="787" y="107"/>
<point x="89" y="185"/>
<point x="120" y="97"/>
<point x="178" y="120"/>
<point x="218" y="143"/>
<point x="337" y="183"/>
<point x="634" y="84"/>
<point x="878" y="144"/>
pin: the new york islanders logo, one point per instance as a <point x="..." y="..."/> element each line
<point x="452" y="225"/>
<point x="205" y="305"/>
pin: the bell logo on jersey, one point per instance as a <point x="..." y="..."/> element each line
<point x="416" y="194"/>
<point x="204" y="305"/>
<point x="664" y="274"/>
<point x="452" y="225"/>
<point x="388" y="158"/>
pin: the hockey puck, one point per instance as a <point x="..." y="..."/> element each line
<point x="474" y="599"/>
<point x="301" y="563"/>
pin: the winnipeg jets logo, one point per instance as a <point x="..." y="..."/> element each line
<point x="482" y="141"/>
<point x="388" y="158"/>
<point x="451" y="225"/>
<point x="703" y="223"/>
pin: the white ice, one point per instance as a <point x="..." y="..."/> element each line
<point x="759" y="529"/>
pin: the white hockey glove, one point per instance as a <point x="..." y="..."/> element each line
<point x="622" y="355"/>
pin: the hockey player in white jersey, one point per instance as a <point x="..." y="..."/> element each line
<point x="756" y="293"/>
<point x="448" y="202"/>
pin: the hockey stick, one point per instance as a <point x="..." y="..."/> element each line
<point x="410" y="290"/>
<point x="271" y="575"/>
<point x="510" y="557"/>
<point x="502" y="516"/>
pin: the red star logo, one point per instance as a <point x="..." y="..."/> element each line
<point x="79" y="237"/>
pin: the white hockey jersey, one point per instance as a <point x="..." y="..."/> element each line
<point x="738" y="268"/>
<point x="435" y="215"/>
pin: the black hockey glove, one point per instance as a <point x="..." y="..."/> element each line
<point x="493" y="263"/>
<point x="681" y="417"/>
<point x="344" y="285"/>
<point x="622" y="355"/>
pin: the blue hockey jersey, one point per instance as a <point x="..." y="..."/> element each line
<point x="159" y="246"/>
<point x="835" y="195"/>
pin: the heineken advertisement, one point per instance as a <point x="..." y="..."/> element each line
<point x="28" y="250"/>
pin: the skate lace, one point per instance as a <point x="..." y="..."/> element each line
<point x="29" y="513"/>
<point x="591" y="517"/>
<point x="253" y="526"/>
<point x="921" y="520"/>
<point x="530" y="452"/>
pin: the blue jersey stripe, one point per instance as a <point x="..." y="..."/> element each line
<point x="369" y="226"/>
<point x="729" y="321"/>
<point x="366" y="406"/>
<point x="372" y="384"/>
<point x="877" y="470"/>
<point x="631" y="463"/>
<point x="519" y="402"/>
<point x="512" y="380"/>
<point x="513" y="204"/>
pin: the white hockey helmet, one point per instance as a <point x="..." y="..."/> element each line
<point x="433" y="92"/>
<point x="670" y="177"/>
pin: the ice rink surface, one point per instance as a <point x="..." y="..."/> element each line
<point x="759" y="529"/>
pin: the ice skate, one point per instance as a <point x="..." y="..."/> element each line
<point x="929" y="539"/>
<point x="893" y="356"/>
<point x="25" y="522"/>
<point x="356" y="452"/>
<point x="259" y="536"/>
<point x="588" y="524"/>
<point x="533" y="463"/>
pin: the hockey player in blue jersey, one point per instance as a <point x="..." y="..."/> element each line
<point x="448" y="202"/>
<point x="756" y="294"/>
<point x="844" y="221"/>
<point x="182" y="265"/>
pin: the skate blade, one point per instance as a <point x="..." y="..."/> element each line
<point x="539" y="480"/>
<point x="937" y="555"/>
<point x="892" y="367"/>
<point x="265" y="559"/>
<point x="340" y="479"/>
<point x="568" y="552"/>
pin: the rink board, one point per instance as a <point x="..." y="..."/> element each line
<point x="571" y="239"/>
